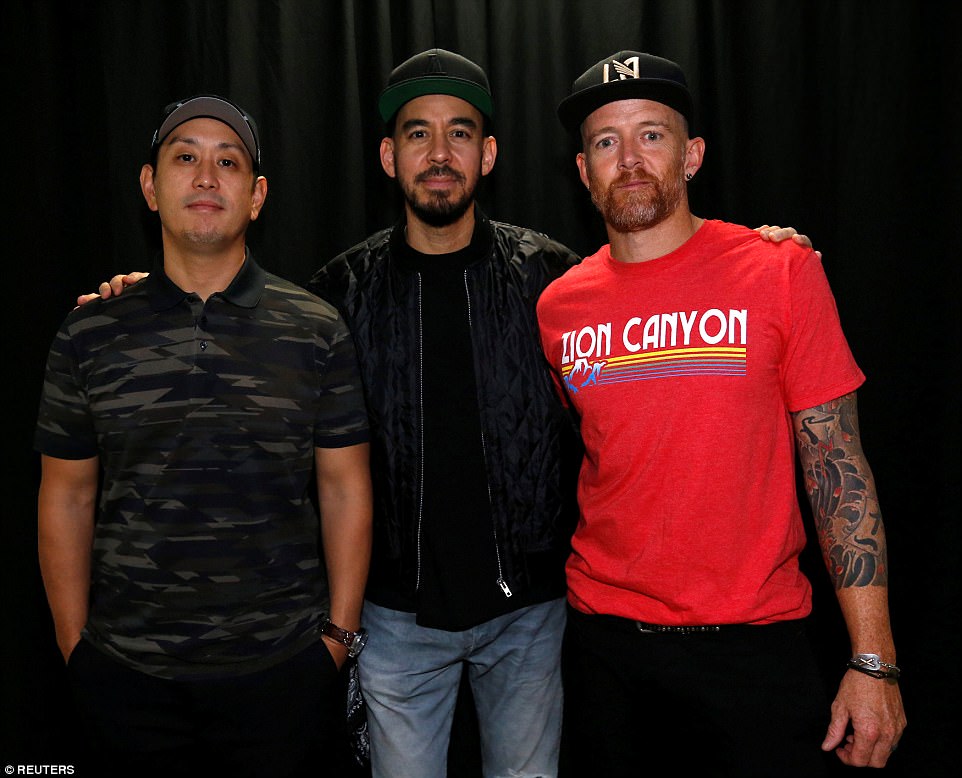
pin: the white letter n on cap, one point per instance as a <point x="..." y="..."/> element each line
<point x="626" y="69"/>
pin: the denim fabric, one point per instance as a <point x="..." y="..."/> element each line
<point x="411" y="674"/>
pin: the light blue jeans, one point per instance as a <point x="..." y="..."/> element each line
<point x="410" y="676"/>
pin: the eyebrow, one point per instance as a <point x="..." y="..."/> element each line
<point x="191" y="141"/>
<point x="643" y="123"/>
<point x="646" y="123"/>
<point x="457" y="121"/>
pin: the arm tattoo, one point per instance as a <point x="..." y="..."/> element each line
<point x="841" y="490"/>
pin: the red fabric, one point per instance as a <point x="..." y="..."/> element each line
<point x="687" y="491"/>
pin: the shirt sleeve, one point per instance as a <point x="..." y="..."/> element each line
<point x="65" y="427"/>
<point x="342" y="413"/>
<point x="819" y="365"/>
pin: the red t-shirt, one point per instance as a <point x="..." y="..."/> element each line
<point x="684" y="370"/>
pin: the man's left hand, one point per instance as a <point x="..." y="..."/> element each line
<point x="868" y="716"/>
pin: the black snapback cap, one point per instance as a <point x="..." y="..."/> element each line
<point x="626" y="75"/>
<point x="436" y="72"/>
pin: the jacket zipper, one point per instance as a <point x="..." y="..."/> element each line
<point x="417" y="584"/>
<point x="484" y="452"/>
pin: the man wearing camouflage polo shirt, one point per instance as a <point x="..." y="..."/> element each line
<point x="203" y="632"/>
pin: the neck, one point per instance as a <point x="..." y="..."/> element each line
<point x="429" y="239"/>
<point x="203" y="272"/>
<point x="648" y="244"/>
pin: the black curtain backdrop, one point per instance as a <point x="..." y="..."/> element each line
<point x="840" y="118"/>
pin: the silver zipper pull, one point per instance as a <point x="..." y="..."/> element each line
<point x="504" y="587"/>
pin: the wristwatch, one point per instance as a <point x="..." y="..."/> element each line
<point x="354" y="641"/>
<point x="871" y="664"/>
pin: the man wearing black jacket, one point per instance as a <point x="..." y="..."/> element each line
<point x="474" y="506"/>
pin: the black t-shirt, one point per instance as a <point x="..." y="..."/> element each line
<point x="459" y="573"/>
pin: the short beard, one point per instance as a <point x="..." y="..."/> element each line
<point x="438" y="210"/>
<point x="640" y="209"/>
<point x="205" y="238"/>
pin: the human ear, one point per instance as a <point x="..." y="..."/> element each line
<point x="147" y="186"/>
<point x="387" y="157"/>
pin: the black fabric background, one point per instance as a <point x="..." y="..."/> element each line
<point x="840" y="118"/>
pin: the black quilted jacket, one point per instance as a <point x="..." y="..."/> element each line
<point x="531" y="447"/>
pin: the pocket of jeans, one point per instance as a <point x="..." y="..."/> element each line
<point x="72" y="659"/>
<point x="77" y="665"/>
<point x="330" y="660"/>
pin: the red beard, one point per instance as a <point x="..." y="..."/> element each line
<point x="638" y="209"/>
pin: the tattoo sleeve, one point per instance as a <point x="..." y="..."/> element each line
<point x="841" y="490"/>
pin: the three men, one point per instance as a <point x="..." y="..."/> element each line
<point x="474" y="459"/>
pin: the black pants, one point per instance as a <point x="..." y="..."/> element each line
<point x="743" y="701"/>
<point x="283" y="721"/>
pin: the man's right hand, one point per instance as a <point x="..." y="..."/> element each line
<point x="112" y="287"/>
<point x="67" y="645"/>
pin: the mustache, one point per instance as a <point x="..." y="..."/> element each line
<point x="439" y="170"/>
<point x="630" y="176"/>
<point x="205" y="198"/>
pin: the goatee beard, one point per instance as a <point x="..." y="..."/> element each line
<point x="638" y="209"/>
<point x="439" y="209"/>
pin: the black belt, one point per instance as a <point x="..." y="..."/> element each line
<point x="624" y="625"/>
<point x="644" y="626"/>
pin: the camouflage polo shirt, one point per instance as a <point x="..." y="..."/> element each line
<point x="205" y="417"/>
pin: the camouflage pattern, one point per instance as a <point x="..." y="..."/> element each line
<point x="205" y="417"/>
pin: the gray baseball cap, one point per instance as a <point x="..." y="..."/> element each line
<point x="209" y="107"/>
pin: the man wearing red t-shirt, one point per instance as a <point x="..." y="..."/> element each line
<point x="700" y="359"/>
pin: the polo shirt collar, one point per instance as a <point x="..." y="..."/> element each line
<point x="244" y="290"/>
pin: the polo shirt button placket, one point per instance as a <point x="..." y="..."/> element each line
<point x="202" y="325"/>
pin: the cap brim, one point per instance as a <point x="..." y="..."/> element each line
<point x="211" y="108"/>
<point x="395" y="96"/>
<point x="575" y="108"/>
